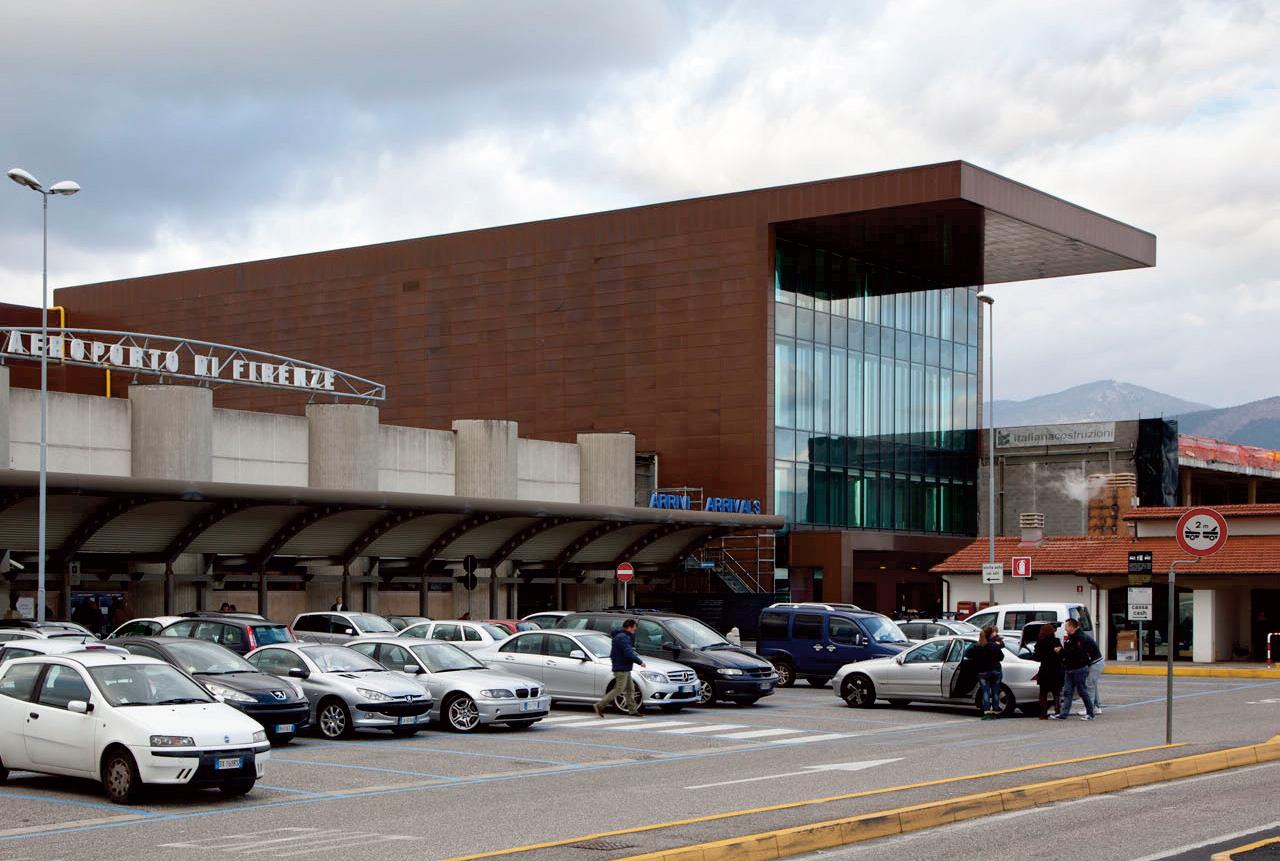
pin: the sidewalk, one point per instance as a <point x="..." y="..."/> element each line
<point x="1232" y="670"/>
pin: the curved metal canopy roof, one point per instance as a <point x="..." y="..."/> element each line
<point x="156" y="521"/>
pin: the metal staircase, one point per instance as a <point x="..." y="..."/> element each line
<point x="744" y="563"/>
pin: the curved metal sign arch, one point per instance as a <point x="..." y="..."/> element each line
<point x="183" y="359"/>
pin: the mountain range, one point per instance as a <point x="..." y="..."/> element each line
<point x="1254" y="423"/>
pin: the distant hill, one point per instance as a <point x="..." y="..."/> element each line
<point x="1103" y="400"/>
<point x="1255" y="423"/>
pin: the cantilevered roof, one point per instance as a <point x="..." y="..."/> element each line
<point x="153" y="521"/>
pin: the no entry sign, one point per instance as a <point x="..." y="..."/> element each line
<point x="1201" y="532"/>
<point x="626" y="571"/>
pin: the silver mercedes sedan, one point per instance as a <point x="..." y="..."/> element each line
<point x="574" y="666"/>
<point x="930" y="673"/>
<point x="347" y="690"/>
<point x="466" y="693"/>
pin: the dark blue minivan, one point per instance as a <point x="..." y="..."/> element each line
<point x="813" y="641"/>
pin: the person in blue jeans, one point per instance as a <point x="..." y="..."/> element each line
<point x="985" y="657"/>
<point x="1078" y="652"/>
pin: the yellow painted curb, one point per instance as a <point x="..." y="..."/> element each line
<point x="802" y="839"/>
<point x="1230" y="854"/>
<point x="1113" y="669"/>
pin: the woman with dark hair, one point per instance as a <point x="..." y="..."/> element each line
<point x="1048" y="653"/>
<point x="986" y="655"/>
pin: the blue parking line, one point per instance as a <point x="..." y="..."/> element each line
<point x="94" y="805"/>
<point x="291" y="790"/>
<point x="365" y="768"/>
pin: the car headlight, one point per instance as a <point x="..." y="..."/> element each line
<point x="172" y="741"/>
<point x="223" y="692"/>
<point x="259" y="736"/>
<point x="373" y="696"/>
<point x="295" y="687"/>
<point x="729" y="671"/>
<point x="498" y="694"/>
<point x="658" y="678"/>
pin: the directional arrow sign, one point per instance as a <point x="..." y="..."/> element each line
<point x="810" y="769"/>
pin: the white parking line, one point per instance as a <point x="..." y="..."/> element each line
<point x="759" y="733"/>
<point x="826" y="736"/>
<point x="710" y="727"/>
<point x="286" y="842"/>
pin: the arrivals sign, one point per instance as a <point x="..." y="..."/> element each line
<point x="1084" y="433"/>
<point x="163" y="357"/>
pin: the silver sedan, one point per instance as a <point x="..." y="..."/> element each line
<point x="574" y="666"/>
<point x="347" y="690"/>
<point x="930" y="673"/>
<point x="467" y="694"/>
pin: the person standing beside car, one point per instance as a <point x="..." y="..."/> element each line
<point x="1078" y="652"/>
<point x="1048" y="654"/>
<point x="623" y="657"/>
<point x="985" y="656"/>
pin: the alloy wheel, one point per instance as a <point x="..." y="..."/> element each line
<point x="333" y="720"/>
<point x="463" y="714"/>
<point x="706" y="692"/>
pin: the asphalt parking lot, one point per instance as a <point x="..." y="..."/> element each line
<point x="574" y="779"/>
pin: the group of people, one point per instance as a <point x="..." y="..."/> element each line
<point x="1070" y="666"/>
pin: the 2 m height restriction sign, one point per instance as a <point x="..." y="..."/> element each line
<point x="1201" y="532"/>
<point x="1022" y="566"/>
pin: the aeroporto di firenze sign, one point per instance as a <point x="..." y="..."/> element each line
<point x="182" y="358"/>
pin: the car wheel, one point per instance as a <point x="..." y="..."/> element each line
<point x="404" y="731"/>
<point x="786" y="673"/>
<point x="521" y="724"/>
<point x="1008" y="703"/>
<point x="334" y="718"/>
<point x="236" y="788"/>
<point x="671" y="709"/>
<point x="819" y="681"/>
<point x="120" y="778"/>
<point x="620" y="702"/>
<point x="899" y="703"/>
<point x="706" y="692"/>
<point x="461" y="714"/>
<point x="859" y="692"/>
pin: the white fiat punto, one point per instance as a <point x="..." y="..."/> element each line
<point x="125" y="721"/>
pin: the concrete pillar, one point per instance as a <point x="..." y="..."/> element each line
<point x="172" y="432"/>
<point x="486" y="458"/>
<point x="4" y="421"/>
<point x="342" y="444"/>
<point x="608" y="469"/>
<point x="1252" y="498"/>
<point x="1186" y="487"/>
<point x="1204" y="619"/>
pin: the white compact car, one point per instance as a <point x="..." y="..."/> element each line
<point x="929" y="673"/>
<point x="125" y="721"/>
<point x="147" y="626"/>
<point x="468" y="636"/>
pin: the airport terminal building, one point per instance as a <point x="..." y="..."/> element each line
<point x="812" y="351"/>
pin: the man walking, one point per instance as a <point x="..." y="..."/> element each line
<point x="623" y="656"/>
<point x="1078" y="652"/>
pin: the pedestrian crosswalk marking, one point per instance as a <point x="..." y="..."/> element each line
<point x="826" y="736"/>
<point x="654" y="725"/>
<point x="759" y="733"/>
<point x="714" y="727"/>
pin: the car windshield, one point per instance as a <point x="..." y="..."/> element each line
<point x="597" y="644"/>
<point x="340" y="659"/>
<point x="198" y="657"/>
<point x="367" y="623"/>
<point x="445" y="658"/>
<point x="146" y="685"/>
<point x="497" y="631"/>
<point x="883" y="630"/>
<point x="695" y="635"/>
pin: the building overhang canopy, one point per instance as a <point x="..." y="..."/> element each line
<point x="156" y="521"/>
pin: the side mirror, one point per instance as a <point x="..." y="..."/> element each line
<point x="299" y="673"/>
<point x="579" y="654"/>
<point x="670" y="646"/>
<point x="350" y="632"/>
<point x="412" y="669"/>
<point x="900" y="657"/>
<point x="859" y="640"/>
<point x="80" y="707"/>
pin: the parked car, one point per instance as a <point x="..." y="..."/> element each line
<point x="144" y="627"/>
<point x="278" y="704"/>
<point x="513" y="626"/>
<point x="547" y="618"/>
<point x="919" y="630"/>
<point x="468" y="636"/>
<point x="339" y="626"/>
<point x="813" y="641"/>
<point x="347" y="690"/>
<point x="58" y="646"/>
<point x="239" y="632"/>
<point x="402" y="622"/>
<point x="574" y="666"/>
<point x="126" y="721"/>
<point x="929" y="673"/>
<point x="1011" y="619"/>
<point x="725" y="671"/>
<point x="28" y="629"/>
<point x="465" y="693"/>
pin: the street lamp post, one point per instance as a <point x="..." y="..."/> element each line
<point x="65" y="188"/>
<point x="987" y="299"/>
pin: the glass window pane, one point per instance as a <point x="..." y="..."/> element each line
<point x="931" y="351"/>
<point x="945" y="316"/>
<point x="784" y="444"/>
<point x="870" y="302"/>
<point x="839" y="331"/>
<point x="871" y="397"/>
<point x="971" y="302"/>
<point x="972" y="363"/>
<point x="932" y="388"/>
<point x="854" y="500"/>
<point x="785" y="320"/>
<point x="822" y="328"/>
<point x="801" y="483"/>
<point x="781" y="282"/>
<point x="784" y="382"/>
<point x="902" y="400"/>
<point x="888" y="309"/>
<point x="917" y="401"/>
<point x="917" y="348"/>
<point x="903" y="316"/>
<point x="839" y="393"/>
<point x="822" y="389"/>
<point x="804" y="324"/>
<point x="960" y="314"/>
<point x="886" y="342"/>
<point x="804" y="385"/>
<point x="783" y="494"/>
<point x="918" y="312"/>
<point x="855" y="394"/>
<point x="855" y="335"/>
<point x="972" y="401"/>
<point x="931" y="325"/>
<point x="887" y="398"/>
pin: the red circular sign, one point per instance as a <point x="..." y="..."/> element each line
<point x="626" y="571"/>
<point x="1201" y="531"/>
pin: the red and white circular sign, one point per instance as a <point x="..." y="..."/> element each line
<point x="626" y="571"/>
<point x="1201" y="531"/>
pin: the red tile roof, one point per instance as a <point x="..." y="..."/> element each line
<point x="1243" y="554"/>
<point x="1211" y="450"/>
<point x="1154" y="513"/>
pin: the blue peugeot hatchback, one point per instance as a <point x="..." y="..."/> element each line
<point x="813" y="641"/>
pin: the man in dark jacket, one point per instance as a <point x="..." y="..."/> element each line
<point x="1078" y="652"/>
<point x="623" y="656"/>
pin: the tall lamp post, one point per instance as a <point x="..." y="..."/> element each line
<point x="987" y="299"/>
<point x="65" y="188"/>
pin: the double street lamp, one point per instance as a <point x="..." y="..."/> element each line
<point x="987" y="299"/>
<point x="66" y="188"/>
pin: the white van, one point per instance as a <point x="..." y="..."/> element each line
<point x="1012" y="618"/>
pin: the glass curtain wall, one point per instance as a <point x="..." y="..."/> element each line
<point x="876" y="396"/>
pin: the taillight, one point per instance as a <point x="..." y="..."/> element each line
<point x="253" y="641"/>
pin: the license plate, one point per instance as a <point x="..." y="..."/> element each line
<point x="284" y="727"/>
<point x="764" y="686"/>
<point x="686" y="689"/>
<point x="410" y="719"/>
<point x="229" y="763"/>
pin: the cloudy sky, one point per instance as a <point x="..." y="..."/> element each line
<point x="207" y="132"/>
